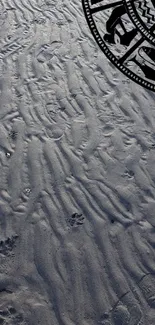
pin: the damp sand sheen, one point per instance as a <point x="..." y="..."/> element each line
<point x="77" y="172"/>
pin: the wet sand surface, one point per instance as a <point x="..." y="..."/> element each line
<point x="77" y="175"/>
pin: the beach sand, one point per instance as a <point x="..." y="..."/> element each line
<point x="77" y="175"/>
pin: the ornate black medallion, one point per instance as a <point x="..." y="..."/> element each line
<point x="125" y="32"/>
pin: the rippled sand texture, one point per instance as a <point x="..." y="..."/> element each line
<point x="77" y="176"/>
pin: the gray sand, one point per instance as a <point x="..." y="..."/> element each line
<point x="77" y="175"/>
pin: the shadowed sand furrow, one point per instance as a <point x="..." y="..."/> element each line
<point x="16" y="162"/>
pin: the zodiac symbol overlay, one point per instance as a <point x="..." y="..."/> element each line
<point x="125" y="32"/>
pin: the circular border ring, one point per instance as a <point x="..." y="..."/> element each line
<point x="137" y="21"/>
<point x="108" y="53"/>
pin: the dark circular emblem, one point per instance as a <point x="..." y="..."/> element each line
<point x="125" y="32"/>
